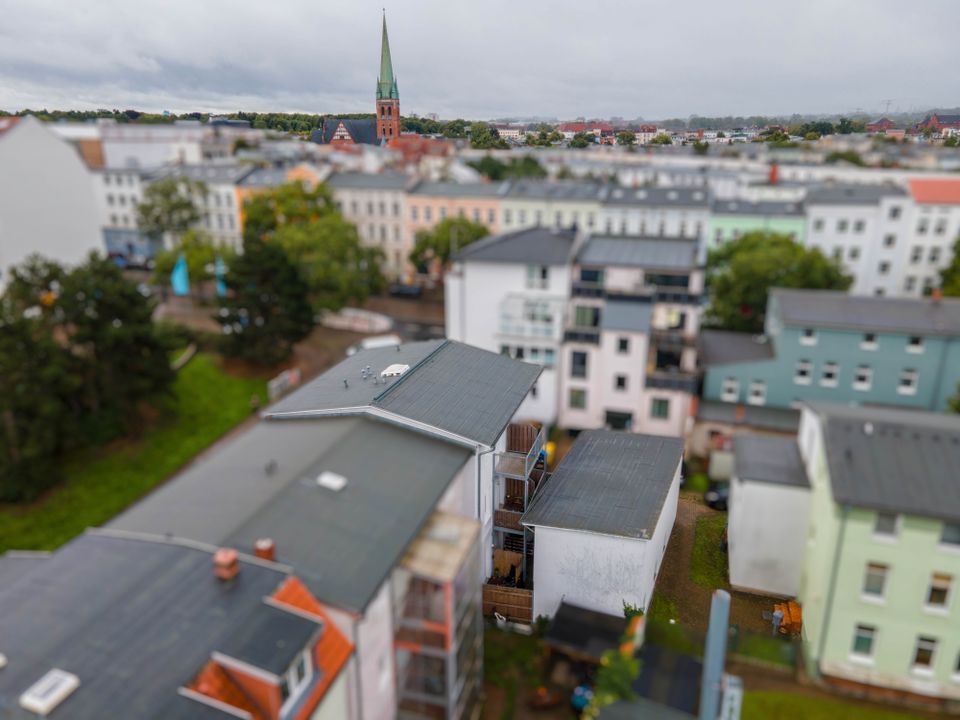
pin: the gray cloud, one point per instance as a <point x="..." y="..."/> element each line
<point x="497" y="58"/>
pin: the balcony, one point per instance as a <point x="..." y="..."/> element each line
<point x="507" y="519"/>
<point x="673" y="337"/>
<point x="672" y="380"/>
<point x="524" y="444"/>
<point x="582" y="335"/>
<point x="678" y="296"/>
<point x="587" y="289"/>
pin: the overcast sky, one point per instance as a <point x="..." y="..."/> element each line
<point x="495" y="58"/>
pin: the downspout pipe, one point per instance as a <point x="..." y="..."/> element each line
<point x="831" y="591"/>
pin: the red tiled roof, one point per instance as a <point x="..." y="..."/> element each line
<point x="214" y="682"/>
<point x="936" y="192"/>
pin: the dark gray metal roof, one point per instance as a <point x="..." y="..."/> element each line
<point x="265" y="177"/>
<point x="273" y="642"/>
<point x="764" y="208"/>
<point x="209" y="173"/>
<point x="14" y="565"/>
<point x="454" y="387"/>
<point x="768" y="459"/>
<point x="724" y="347"/>
<point x="642" y="709"/>
<point x="551" y="190"/>
<point x="853" y="194"/>
<point x="658" y="253"/>
<point x="761" y="417"/>
<point x="451" y="189"/>
<point x="536" y="245"/>
<point x="901" y="461"/>
<point x="134" y="619"/>
<point x="657" y="196"/>
<point x="834" y="309"/>
<point x="610" y="482"/>
<point x="342" y="544"/>
<point x="372" y="181"/>
<point x="626" y="315"/>
<point x="584" y="631"/>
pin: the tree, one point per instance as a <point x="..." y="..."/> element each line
<point x="953" y="402"/>
<point x="200" y="252"/>
<point x="950" y="275"/>
<point x="741" y="273"/>
<point x="661" y="139"/>
<point x="485" y="137"/>
<point x="627" y="138"/>
<point x="701" y="147"/>
<point x="497" y="170"/>
<point x="721" y="134"/>
<point x="846" y="126"/>
<point x="290" y="204"/>
<point x="952" y="141"/>
<point x="582" y="140"/>
<point x="168" y="207"/>
<point x="812" y="135"/>
<point x="850" y="156"/>
<point x="266" y="310"/>
<point x="455" y="129"/>
<point x="438" y="244"/>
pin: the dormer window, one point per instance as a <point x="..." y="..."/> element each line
<point x="295" y="680"/>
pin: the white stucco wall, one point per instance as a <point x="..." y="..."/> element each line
<point x="336" y="701"/>
<point x="767" y="532"/>
<point x="47" y="199"/>
<point x="600" y="572"/>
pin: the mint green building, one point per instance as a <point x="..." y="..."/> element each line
<point x="880" y="583"/>
<point x="730" y="219"/>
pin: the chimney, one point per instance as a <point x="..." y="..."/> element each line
<point x="226" y="564"/>
<point x="774" y="173"/>
<point x="936" y="296"/>
<point x="265" y="549"/>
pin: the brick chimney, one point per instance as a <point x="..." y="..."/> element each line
<point x="226" y="564"/>
<point x="265" y="549"/>
<point x="774" y="175"/>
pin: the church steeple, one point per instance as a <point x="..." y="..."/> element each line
<point x="388" y="96"/>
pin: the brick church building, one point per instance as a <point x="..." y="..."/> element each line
<point x="385" y="126"/>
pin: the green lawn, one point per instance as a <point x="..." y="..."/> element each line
<point x="784" y="706"/>
<point x="771" y="649"/>
<point x="513" y="662"/>
<point x="708" y="566"/>
<point x="672" y="636"/>
<point x="698" y="482"/>
<point x="99" y="483"/>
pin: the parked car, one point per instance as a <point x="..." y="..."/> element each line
<point x="377" y="341"/>
<point x="717" y="495"/>
<point x="406" y="291"/>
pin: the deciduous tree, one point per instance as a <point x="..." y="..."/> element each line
<point x="168" y="207"/>
<point x="437" y="245"/>
<point x="950" y="275"/>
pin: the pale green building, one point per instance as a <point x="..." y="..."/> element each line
<point x="729" y="219"/>
<point x="558" y="205"/>
<point x="881" y="573"/>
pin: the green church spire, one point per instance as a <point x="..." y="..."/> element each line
<point x="387" y="83"/>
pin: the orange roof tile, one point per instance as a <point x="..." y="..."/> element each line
<point x="214" y="682"/>
<point x="936" y="192"/>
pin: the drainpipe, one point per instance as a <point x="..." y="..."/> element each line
<point x="831" y="591"/>
<point x="939" y="376"/>
<point x="478" y="456"/>
<point x="359" y="669"/>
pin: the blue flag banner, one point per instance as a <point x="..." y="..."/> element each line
<point x="180" y="277"/>
<point x="220" y="271"/>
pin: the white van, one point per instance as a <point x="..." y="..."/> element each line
<point x="376" y="341"/>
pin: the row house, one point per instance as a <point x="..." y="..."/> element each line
<point x="629" y="358"/>
<point x="655" y="211"/>
<point x="377" y="205"/>
<point x="118" y="624"/>
<point x="729" y="219"/>
<point x="530" y="203"/>
<point x="430" y="202"/>
<point x="833" y="347"/>
<point x="375" y="482"/>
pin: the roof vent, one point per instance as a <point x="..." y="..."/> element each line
<point x="672" y="195"/>
<point x="49" y="691"/>
<point x="331" y="481"/>
<point x="395" y="370"/>
<point x="868" y="428"/>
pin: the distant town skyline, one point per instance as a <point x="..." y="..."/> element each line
<point x="499" y="60"/>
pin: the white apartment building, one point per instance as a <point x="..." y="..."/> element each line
<point x="934" y="229"/>
<point x="676" y="212"/>
<point x="535" y="203"/>
<point x="47" y="199"/>
<point x="629" y="355"/>
<point x="509" y="293"/>
<point x="376" y="204"/>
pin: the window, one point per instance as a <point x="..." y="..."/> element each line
<point x="758" y="392"/>
<point x="869" y="341"/>
<point x="886" y="525"/>
<point x="730" y="390"/>
<point x="660" y="408"/>
<point x="507" y="217"/>
<point x="883" y="267"/>
<point x="548" y="357"/>
<point x="916" y="252"/>
<point x="940" y="228"/>
<point x="879" y="292"/>
<point x="837" y="253"/>
<point x="505" y="350"/>
<point x="831" y="371"/>
<point x="443" y="213"/>
<point x="938" y="594"/>
<point x="522" y="216"/>
<point x="623" y="345"/>
<point x="578" y="398"/>
<point x="894" y="212"/>
<point x="808" y="337"/>
<point x="889" y="240"/>
<point x="491" y="216"/>
<point x="853" y="252"/>
<point x="369" y="206"/>
<point x="428" y="214"/>
<point x="818" y="225"/>
<point x="863" y="639"/>
<point x="934" y="254"/>
<point x="863" y="378"/>
<point x="910" y="283"/>
<point x="109" y="199"/>
<point x="396" y="209"/>
<point x="295" y="680"/>
<point x="922" y="227"/>
<point x="537" y="277"/>
<point x="802" y="374"/>
<point x="590" y="220"/>
<point x="586" y="316"/>
<point x="578" y="364"/>
<point x="476" y="215"/>
<point x="858" y="226"/>
<point x="950" y="535"/>
<point x="915" y="344"/>
<point x="924" y="652"/>
<point x="591" y="275"/>
<point x="842" y="225"/>
<point x="908" y="382"/>
<point x="875" y="580"/>
<point x="620" y="382"/>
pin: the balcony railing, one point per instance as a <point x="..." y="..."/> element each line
<point x="507" y="519"/>
<point x="586" y="289"/>
<point x="673" y="336"/>
<point x="583" y="335"/>
<point x="518" y="464"/>
<point x="667" y="380"/>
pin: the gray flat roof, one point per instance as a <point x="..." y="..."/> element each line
<point x="763" y="208"/>
<point x="134" y="619"/>
<point x="725" y="347"/>
<point x="454" y="387"/>
<point x="536" y="245"/>
<point x="761" y="417"/>
<point x="263" y="483"/>
<point x="265" y="177"/>
<point x="451" y="189"/>
<point x="372" y="181"/>
<point x="626" y="315"/>
<point x="567" y="191"/>
<point x="767" y="459"/>
<point x="852" y="194"/>
<point x="613" y="483"/>
<point x="835" y="309"/>
<point x="210" y="173"/>
<point x="893" y="460"/>
<point x="658" y="253"/>
<point x="657" y="196"/>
